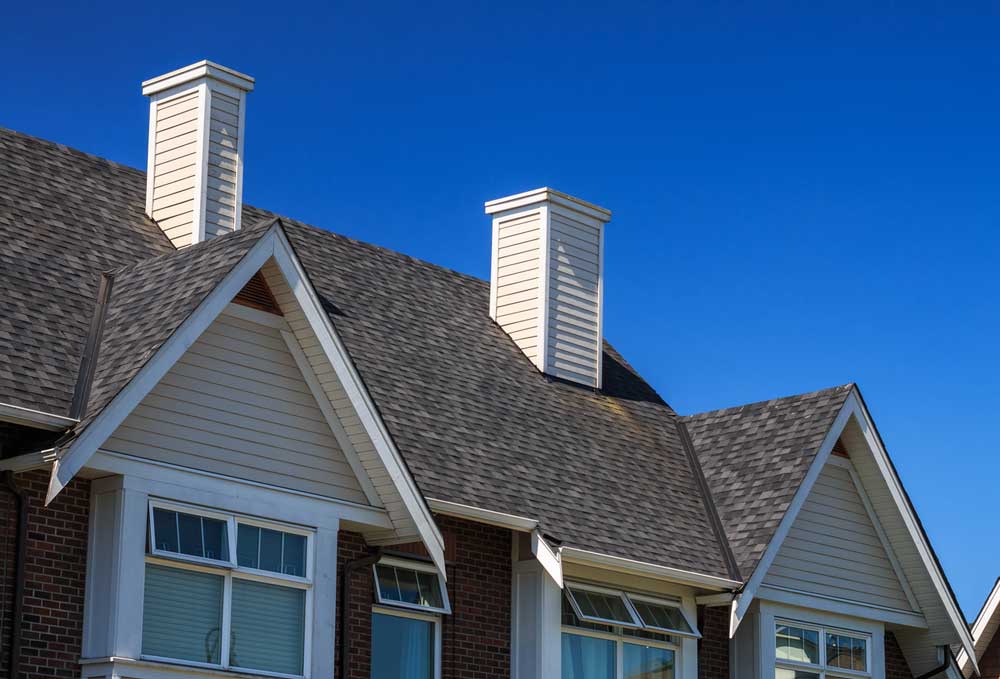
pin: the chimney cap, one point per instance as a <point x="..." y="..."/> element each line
<point x="543" y="195"/>
<point x="201" y="69"/>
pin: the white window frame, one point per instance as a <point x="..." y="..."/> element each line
<point x="693" y="634"/>
<point x="621" y="639"/>
<point x="412" y="565"/>
<point x="231" y="570"/>
<point x="636" y="620"/>
<point x="417" y="615"/>
<point x="821" y="669"/>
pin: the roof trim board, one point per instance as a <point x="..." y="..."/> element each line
<point x="854" y="407"/>
<point x="618" y="563"/>
<point x="984" y="620"/>
<point x="34" y="418"/>
<point x="272" y="244"/>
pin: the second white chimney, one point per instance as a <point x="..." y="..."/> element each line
<point x="194" y="175"/>
<point x="547" y="282"/>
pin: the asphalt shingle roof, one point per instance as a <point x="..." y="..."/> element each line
<point x="756" y="456"/>
<point x="476" y="423"/>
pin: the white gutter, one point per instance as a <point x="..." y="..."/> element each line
<point x="39" y="459"/>
<point x="34" y="418"/>
<point x="582" y="556"/>
<point x="511" y="521"/>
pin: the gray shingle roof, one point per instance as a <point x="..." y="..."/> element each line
<point x="474" y="420"/>
<point x="755" y="457"/>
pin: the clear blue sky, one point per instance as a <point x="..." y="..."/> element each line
<point x="804" y="194"/>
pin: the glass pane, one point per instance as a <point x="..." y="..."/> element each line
<point x="794" y="643"/>
<point x="189" y="530"/>
<point x="268" y="627"/>
<point x="294" y="560"/>
<point x="430" y="589"/>
<point x="270" y="550"/>
<point x="860" y="652"/>
<point x="787" y="673"/>
<point x="216" y="539"/>
<point x="182" y="614"/>
<point x="165" y="528"/>
<point x="408" y="592"/>
<point x="648" y="662"/>
<point x="247" y="545"/>
<point x="587" y="657"/>
<point x="599" y="605"/>
<point x="387" y="582"/>
<point x="846" y="652"/>
<point x="660" y="615"/>
<point x="402" y="648"/>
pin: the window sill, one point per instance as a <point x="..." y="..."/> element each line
<point x="157" y="669"/>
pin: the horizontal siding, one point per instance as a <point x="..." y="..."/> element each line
<point x="833" y="548"/>
<point x="175" y="165"/>
<point x="518" y="282"/>
<point x="237" y="404"/>
<point x="356" y="433"/>
<point x="574" y="343"/>
<point x="221" y="203"/>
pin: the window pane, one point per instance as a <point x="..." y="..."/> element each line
<point x="599" y="605"/>
<point x="247" y="545"/>
<point x="189" y="529"/>
<point x="587" y="657"/>
<point x="794" y="643"/>
<point x="387" y="582"/>
<point x="165" y="527"/>
<point x="407" y="580"/>
<point x="846" y="652"/>
<point x="268" y="627"/>
<point x="860" y="652"/>
<point x="216" y="539"/>
<point x="786" y="673"/>
<point x="660" y="615"/>
<point x="182" y="614"/>
<point x="294" y="560"/>
<point x="648" y="662"/>
<point x="270" y="550"/>
<point x="430" y="589"/>
<point x="402" y="648"/>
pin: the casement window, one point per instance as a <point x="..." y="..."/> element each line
<point x="227" y="591"/>
<point x="406" y="623"/>
<point x="803" y="651"/>
<point x="610" y="634"/>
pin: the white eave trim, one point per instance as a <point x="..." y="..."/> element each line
<point x="617" y="563"/>
<point x="518" y="523"/>
<point x="35" y="418"/>
<point x="980" y="625"/>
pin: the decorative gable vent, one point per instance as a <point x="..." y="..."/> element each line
<point x="256" y="295"/>
<point x="194" y="179"/>
<point x="547" y="280"/>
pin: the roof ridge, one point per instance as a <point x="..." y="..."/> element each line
<point x="729" y="410"/>
<point x="66" y="148"/>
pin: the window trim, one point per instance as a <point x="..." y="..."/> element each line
<point x="636" y="620"/>
<point x="823" y="670"/>
<point x="230" y="571"/>
<point x="415" y="565"/>
<point x="416" y="615"/>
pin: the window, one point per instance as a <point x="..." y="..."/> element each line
<point x="226" y="591"/>
<point x="405" y="644"/>
<point x="410" y="584"/>
<point x="807" y="652"/>
<point x="592" y="650"/>
<point x="613" y="607"/>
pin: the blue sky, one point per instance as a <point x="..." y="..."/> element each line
<point x="803" y="194"/>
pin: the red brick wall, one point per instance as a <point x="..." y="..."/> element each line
<point x="52" y="633"/>
<point x="713" y="647"/>
<point x="989" y="664"/>
<point x="895" y="664"/>
<point x="475" y="640"/>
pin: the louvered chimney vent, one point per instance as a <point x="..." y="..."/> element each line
<point x="547" y="282"/>
<point x="194" y="181"/>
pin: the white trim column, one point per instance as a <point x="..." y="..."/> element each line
<point x="536" y="650"/>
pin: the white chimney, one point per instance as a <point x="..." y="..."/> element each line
<point x="547" y="283"/>
<point x="194" y="181"/>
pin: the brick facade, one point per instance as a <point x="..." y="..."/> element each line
<point x="896" y="666"/>
<point x="475" y="641"/>
<point x="989" y="664"/>
<point x="56" y="565"/>
<point x="713" y="647"/>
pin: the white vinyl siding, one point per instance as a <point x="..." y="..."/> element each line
<point x="237" y="404"/>
<point x="519" y="294"/>
<point x="574" y="332"/>
<point x="221" y="203"/>
<point x="175" y="164"/>
<point x="354" y="430"/>
<point x="833" y="548"/>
